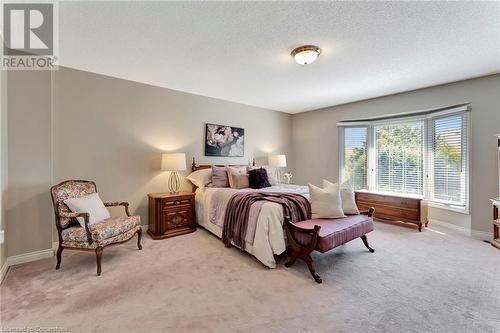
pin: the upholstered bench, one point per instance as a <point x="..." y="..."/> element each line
<point x="323" y="235"/>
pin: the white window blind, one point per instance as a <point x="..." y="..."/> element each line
<point x="449" y="160"/>
<point x="399" y="157"/>
<point x="355" y="156"/>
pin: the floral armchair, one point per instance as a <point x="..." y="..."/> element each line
<point x="95" y="237"/>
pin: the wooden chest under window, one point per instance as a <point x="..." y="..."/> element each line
<point x="392" y="207"/>
<point x="171" y="214"/>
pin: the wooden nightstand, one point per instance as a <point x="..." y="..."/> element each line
<point x="171" y="214"/>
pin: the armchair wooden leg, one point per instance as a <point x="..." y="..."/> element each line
<point x="139" y="237"/>
<point x="365" y="241"/>
<point x="98" y="255"/>
<point x="58" y="256"/>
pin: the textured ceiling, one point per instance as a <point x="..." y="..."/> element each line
<point x="239" y="51"/>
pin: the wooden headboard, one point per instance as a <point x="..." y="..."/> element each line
<point x="195" y="167"/>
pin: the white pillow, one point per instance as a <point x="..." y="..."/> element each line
<point x="91" y="204"/>
<point x="325" y="203"/>
<point x="347" y="196"/>
<point x="271" y="175"/>
<point x="201" y="178"/>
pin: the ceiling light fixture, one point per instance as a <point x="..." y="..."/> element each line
<point x="305" y="55"/>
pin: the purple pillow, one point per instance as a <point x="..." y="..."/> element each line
<point x="219" y="176"/>
<point x="258" y="178"/>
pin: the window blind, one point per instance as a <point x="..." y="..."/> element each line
<point x="399" y="157"/>
<point x="355" y="156"/>
<point x="449" y="160"/>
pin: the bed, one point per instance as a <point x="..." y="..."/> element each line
<point x="266" y="238"/>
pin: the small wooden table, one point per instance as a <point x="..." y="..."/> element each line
<point x="171" y="214"/>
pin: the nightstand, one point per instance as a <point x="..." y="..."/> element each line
<point x="171" y="214"/>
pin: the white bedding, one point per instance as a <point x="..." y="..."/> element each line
<point x="269" y="237"/>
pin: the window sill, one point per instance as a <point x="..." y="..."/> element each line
<point x="455" y="209"/>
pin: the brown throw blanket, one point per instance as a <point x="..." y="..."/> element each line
<point x="238" y="208"/>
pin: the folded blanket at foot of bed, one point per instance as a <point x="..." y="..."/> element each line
<point x="235" y="226"/>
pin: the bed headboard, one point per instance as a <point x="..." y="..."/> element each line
<point x="195" y="167"/>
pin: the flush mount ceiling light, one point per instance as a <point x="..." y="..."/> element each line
<point x="305" y="55"/>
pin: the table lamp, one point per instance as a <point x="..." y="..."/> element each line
<point x="278" y="161"/>
<point x="173" y="163"/>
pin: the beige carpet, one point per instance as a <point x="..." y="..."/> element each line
<point x="414" y="282"/>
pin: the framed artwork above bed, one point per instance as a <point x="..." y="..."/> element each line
<point x="225" y="141"/>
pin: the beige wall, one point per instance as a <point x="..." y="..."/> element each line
<point x="28" y="209"/>
<point x="79" y="125"/>
<point x="112" y="131"/>
<point x="3" y="158"/>
<point x="315" y="137"/>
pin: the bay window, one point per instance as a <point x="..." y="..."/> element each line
<point x="423" y="153"/>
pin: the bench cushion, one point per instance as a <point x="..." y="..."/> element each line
<point x="335" y="232"/>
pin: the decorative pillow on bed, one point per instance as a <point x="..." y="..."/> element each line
<point x="219" y="176"/>
<point x="91" y="204"/>
<point x="271" y="175"/>
<point x="201" y="178"/>
<point x="325" y="202"/>
<point x="238" y="177"/>
<point x="258" y="178"/>
<point x="347" y="196"/>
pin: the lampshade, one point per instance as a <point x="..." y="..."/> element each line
<point x="173" y="162"/>
<point x="277" y="161"/>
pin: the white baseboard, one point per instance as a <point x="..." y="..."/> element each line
<point x="28" y="257"/>
<point x="482" y="235"/>
<point x="24" y="258"/>
<point x="461" y="230"/>
<point x="37" y="255"/>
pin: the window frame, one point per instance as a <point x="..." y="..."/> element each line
<point x="465" y="150"/>
<point x="342" y="151"/>
<point x="402" y="120"/>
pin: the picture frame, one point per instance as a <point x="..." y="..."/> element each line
<point x="224" y="141"/>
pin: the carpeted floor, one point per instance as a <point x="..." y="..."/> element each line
<point x="414" y="282"/>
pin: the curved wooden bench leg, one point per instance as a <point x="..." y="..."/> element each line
<point x="309" y="261"/>
<point x="292" y="260"/>
<point x="300" y="250"/>
<point x="365" y="241"/>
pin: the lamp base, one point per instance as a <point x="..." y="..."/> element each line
<point x="174" y="183"/>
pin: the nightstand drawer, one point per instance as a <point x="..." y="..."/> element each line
<point x="176" y="203"/>
<point x="176" y="219"/>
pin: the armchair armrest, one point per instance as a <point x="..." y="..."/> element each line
<point x="368" y="212"/>
<point x="85" y="218"/>
<point x="117" y="203"/>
